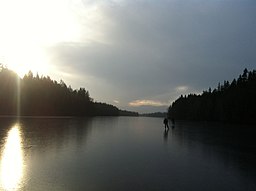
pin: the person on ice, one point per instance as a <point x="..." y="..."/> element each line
<point x="166" y="123"/>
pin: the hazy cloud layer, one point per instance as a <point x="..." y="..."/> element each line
<point x="153" y="51"/>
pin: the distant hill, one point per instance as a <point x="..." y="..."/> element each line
<point x="230" y="102"/>
<point x="128" y="113"/>
<point x="156" y="114"/>
<point x="42" y="96"/>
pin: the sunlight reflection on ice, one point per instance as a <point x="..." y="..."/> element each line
<point x="12" y="160"/>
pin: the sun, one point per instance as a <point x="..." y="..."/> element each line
<point x="27" y="60"/>
<point x="22" y="64"/>
<point x="22" y="70"/>
<point x="29" y="30"/>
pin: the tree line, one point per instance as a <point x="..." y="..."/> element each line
<point x="155" y="114"/>
<point x="41" y="96"/>
<point x="230" y="102"/>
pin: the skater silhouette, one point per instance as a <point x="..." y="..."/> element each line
<point x="166" y="125"/>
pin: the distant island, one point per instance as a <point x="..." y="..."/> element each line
<point x="42" y="96"/>
<point x="229" y="102"/>
<point x="155" y="114"/>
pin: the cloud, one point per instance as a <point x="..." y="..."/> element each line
<point x="181" y="88"/>
<point x="116" y="101"/>
<point x="138" y="103"/>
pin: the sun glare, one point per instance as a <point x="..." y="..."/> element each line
<point x="22" y="63"/>
<point x="28" y="28"/>
<point x="12" y="160"/>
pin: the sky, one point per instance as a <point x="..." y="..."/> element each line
<point x="138" y="55"/>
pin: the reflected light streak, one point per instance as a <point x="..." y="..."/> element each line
<point x="12" y="160"/>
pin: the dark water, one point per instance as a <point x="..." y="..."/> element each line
<point x="125" y="153"/>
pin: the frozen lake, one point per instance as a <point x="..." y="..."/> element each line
<point x="125" y="153"/>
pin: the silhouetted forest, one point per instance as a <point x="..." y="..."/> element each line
<point x="42" y="96"/>
<point x="230" y="102"/>
<point x="156" y="114"/>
